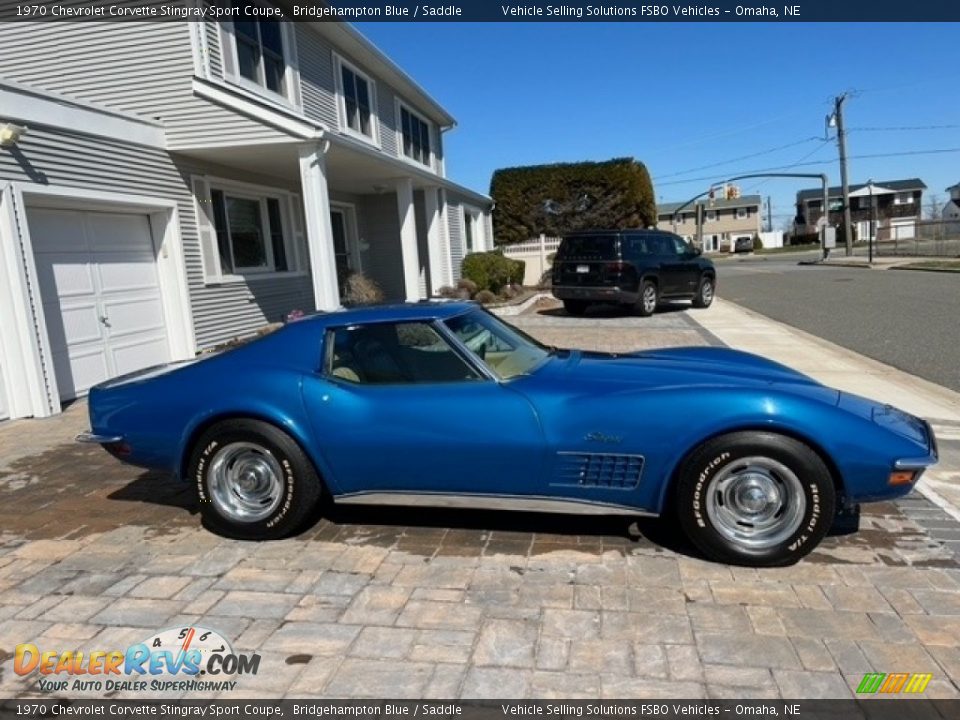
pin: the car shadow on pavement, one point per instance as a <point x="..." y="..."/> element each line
<point x="613" y="311"/>
<point x="158" y="489"/>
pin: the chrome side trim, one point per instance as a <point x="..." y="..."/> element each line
<point x="93" y="438"/>
<point x="523" y="503"/>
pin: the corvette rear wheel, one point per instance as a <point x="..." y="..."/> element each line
<point x="253" y="481"/>
<point x="755" y="498"/>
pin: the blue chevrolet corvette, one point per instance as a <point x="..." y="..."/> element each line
<point x="443" y="404"/>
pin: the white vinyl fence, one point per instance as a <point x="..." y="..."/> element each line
<point x="534" y="253"/>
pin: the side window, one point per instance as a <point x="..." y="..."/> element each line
<point x="680" y="247"/>
<point x="635" y="246"/>
<point x="394" y="354"/>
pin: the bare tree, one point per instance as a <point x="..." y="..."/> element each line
<point x="934" y="207"/>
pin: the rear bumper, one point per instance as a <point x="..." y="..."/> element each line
<point x="595" y="294"/>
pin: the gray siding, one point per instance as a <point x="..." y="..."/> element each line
<point x="219" y="312"/>
<point x="379" y="229"/>
<point x="387" y="110"/>
<point x="144" y="68"/>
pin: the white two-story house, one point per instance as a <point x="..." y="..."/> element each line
<point x="167" y="186"/>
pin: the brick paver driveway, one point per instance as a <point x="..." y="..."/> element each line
<point x="389" y="603"/>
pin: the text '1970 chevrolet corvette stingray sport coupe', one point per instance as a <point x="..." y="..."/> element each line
<point x="443" y="404"/>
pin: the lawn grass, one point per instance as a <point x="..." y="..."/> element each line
<point x="941" y="265"/>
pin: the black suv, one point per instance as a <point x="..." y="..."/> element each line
<point x="634" y="268"/>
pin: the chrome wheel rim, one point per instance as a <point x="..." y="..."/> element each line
<point x="246" y="482"/>
<point x="756" y="502"/>
<point x="649" y="298"/>
<point x="706" y="292"/>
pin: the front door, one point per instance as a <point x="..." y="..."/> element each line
<point x="396" y="409"/>
<point x="678" y="267"/>
<point x="343" y="245"/>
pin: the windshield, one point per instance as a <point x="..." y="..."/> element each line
<point x="504" y="349"/>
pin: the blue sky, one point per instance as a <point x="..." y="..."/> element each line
<point x="683" y="96"/>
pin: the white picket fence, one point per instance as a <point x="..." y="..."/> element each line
<point x="534" y="254"/>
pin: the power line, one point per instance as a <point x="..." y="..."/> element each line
<point x="904" y="127"/>
<point x="797" y="163"/>
<point x="738" y="159"/>
<point x="940" y="151"/>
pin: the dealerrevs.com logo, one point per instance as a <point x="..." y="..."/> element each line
<point x="187" y="659"/>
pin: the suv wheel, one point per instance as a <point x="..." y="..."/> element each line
<point x="575" y="307"/>
<point x="705" y="292"/>
<point x="649" y="297"/>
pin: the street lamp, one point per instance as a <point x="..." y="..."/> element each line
<point x="870" y="239"/>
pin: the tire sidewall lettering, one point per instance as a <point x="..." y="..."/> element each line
<point x="703" y="479"/>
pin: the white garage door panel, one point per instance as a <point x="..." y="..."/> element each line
<point x="101" y="295"/>
<point x="113" y="231"/>
<point x="120" y="274"/>
<point x="79" y="323"/>
<point x="79" y="370"/>
<point x="141" y="355"/>
<point x="135" y="316"/>
<point x="69" y="273"/>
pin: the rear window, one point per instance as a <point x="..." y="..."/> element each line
<point x="597" y="247"/>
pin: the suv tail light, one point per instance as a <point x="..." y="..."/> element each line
<point x="615" y="268"/>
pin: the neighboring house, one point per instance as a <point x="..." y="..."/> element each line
<point x="897" y="207"/>
<point x="724" y="221"/>
<point x="951" y="211"/>
<point x="183" y="183"/>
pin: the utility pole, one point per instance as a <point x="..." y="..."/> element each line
<point x="769" y="214"/>
<point x="842" y="146"/>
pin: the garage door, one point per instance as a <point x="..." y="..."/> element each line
<point x="4" y="410"/>
<point x="101" y="296"/>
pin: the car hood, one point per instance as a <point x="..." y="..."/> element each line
<point x="684" y="366"/>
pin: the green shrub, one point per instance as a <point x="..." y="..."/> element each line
<point x="557" y="199"/>
<point x="485" y="297"/>
<point x="491" y="270"/>
<point x="757" y="243"/>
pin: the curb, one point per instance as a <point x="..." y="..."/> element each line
<point x="511" y="310"/>
<point x="925" y="269"/>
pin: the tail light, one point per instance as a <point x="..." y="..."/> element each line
<point x="616" y="268"/>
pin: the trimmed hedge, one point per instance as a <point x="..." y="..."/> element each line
<point x="492" y="271"/>
<point x="557" y="199"/>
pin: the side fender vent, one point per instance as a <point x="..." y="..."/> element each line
<point x="598" y="470"/>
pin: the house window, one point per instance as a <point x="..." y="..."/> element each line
<point x="260" y="57"/>
<point x="357" y="94"/>
<point x="678" y="219"/>
<point x="416" y="136"/>
<point x="711" y="215"/>
<point x="742" y="213"/>
<point x="250" y="233"/>
<point x="903" y="198"/>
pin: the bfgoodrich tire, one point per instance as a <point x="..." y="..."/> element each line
<point x="705" y="292"/>
<point x="253" y="481"/>
<point x="755" y="498"/>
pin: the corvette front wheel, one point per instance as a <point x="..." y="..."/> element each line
<point x="755" y="498"/>
<point x="253" y="481"/>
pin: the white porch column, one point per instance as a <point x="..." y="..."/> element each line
<point x="408" y="239"/>
<point x="316" y="206"/>
<point x="431" y="206"/>
<point x="447" y="258"/>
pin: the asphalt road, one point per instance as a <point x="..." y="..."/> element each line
<point x="907" y="319"/>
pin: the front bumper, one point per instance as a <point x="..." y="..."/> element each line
<point x="922" y="463"/>
<point x="595" y="294"/>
